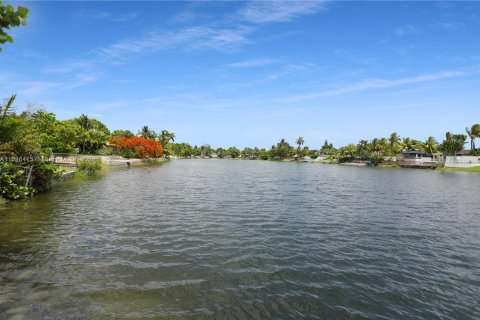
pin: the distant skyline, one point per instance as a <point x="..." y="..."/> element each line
<point x="250" y="73"/>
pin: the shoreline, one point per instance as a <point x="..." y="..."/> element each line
<point x="73" y="173"/>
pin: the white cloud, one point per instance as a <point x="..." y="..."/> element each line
<point x="80" y="80"/>
<point x="187" y="38"/>
<point x="37" y="87"/>
<point x="405" y="30"/>
<point x="371" y="84"/>
<point x="450" y="26"/>
<point x="106" y="15"/>
<point x="68" y="67"/>
<point x="278" y="11"/>
<point x="252" y="63"/>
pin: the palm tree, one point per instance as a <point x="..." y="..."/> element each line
<point x="378" y="146"/>
<point x="146" y="133"/>
<point x="362" y="148"/>
<point x="299" y="142"/>
<point x="473" y="132"/>
<point x="165" y="137"/>
<point x="84" y="121"/>
<point x="410" y="144"/>
<point x="393" y="142"/>
<point x="7" y="129"/>
<point x="6" y="109"/>
<point x="430" y="145"/>
<point x="476" y="132"/>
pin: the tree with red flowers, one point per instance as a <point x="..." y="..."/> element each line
<point x="137" y="147"/>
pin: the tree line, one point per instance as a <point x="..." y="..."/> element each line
<point x="32" y="136"/>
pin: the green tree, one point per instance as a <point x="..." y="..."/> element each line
<point x="165" y="137"/>
<point x="394" y="143"/>
<point x="181" y="149"/>
<point x="206" y="150"/>
<point x="376" y="147"/>
<point x="122" y="133"/>
<point x="431" y="145"/>
<point x="411" y="144"/>
<point x="327" y="148"/>
<point x="453" y="143"/>
<point x="473" y="132"/>
<point x="6" y="129"/>
<point x="54" y="135"/>
<point x="347" y="153"/>
<point x="363" y="149"/>
<point x="233" y="152"/>
<point x="282" y="150"/>
<point x="84" y="121"/>
<point x="300" y="141"/>
<point x="94" y="134"/>
<point x="221" y="153"/>
<point x="247" y="152"/>
<point x="9" y="17"/>
<point x="146" y="133"/>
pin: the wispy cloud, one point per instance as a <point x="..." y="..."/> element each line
<point x="252" y="63"/>
<point x="450" y="26"/>
<point x="39" y="87"/>
<point x="405" y="30"/>
<point x="187" y="39"/>
<point x="371" y="84"/>
<point x="214" y="36"/>
<point x="80" y="80"/>
<point x="106" y="15"/>
<point x="32" y="54"/>
<point x="278" y="11"/>
<point x="68" y="67"/>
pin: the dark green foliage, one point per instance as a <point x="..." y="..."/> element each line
<point x="122" y="133"/>
<point x="127" y="153"/>
<point x="264" y="155"/>
<point x="327" y="148"/>
<point x="89" y="166"/>
<point x="43" y="174"/>
<point x="233" y="152"/>
<point x="9" y="17"/>
<point x="13" y="182"/>
<point x="376" y="160"/>
<point x="94" y="135"/>
<point x="146" y="133"/>
<point x="453" y="143"/>
<point x="281" y="151"/>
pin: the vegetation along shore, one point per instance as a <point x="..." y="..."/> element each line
<point x="36" y="149"/>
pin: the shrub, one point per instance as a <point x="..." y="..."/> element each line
<point x="376" y="160"/>
<point x="89" y="167"/>
<point x="137" y="147"/>
<point x="12" y="182"/>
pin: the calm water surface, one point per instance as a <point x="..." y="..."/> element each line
<point x="203" y="239"/>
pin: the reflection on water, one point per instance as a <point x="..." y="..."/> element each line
<point x="245" y="240"/>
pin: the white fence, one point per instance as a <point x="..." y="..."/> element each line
<point x="462" y="162"/>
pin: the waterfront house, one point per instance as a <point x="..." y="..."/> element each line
<point x="417" y="159"/>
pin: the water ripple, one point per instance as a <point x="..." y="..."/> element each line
<point x="245" y="240"/>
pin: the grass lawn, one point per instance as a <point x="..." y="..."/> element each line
<point x="472" y="169"/>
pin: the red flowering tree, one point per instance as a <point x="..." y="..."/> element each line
<point x="137" y="147"/>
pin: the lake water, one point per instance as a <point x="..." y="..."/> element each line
<point x="203" y="239"/>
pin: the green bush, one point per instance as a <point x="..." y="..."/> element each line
<point x="43" y="174"/>
<point x="376" y="160"/>
<point x="89" y="166"/>
<point x="12" y="182"/>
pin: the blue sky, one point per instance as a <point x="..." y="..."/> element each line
<point x="250" y="73"/>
